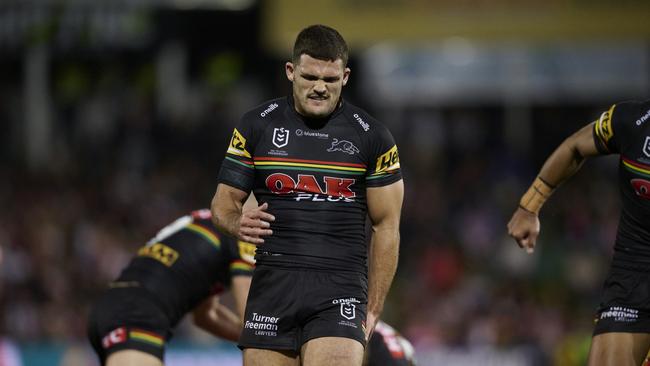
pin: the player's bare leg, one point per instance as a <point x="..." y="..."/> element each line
<point x="619" y="349"/>
<point x="332" y="351"/>
<point x="132" y="358"/>
<point x="267" y="357"/>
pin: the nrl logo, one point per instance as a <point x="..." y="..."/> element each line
<point x="348" y="310"/>
<point x="646" y="146"/>
<point x="343" y="146"/>
<point x="280" y="137"/>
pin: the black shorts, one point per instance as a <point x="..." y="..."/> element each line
<point x="287" y="308"/>
<point x="127" y="319"/>
<point x="625" y="303"/>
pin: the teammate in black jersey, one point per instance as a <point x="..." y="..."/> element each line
<point x="622" y="332"/>
<point x="182" y="269"/>
<point x="387" y="347"/>
<point x="319" y="166"/>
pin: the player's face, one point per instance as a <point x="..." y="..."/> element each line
<point x="317" y="85"/>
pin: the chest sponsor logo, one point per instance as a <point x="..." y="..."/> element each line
<point x="343" y="146"/>
<point x="307" y="187"/>
<point x="641" y="188"/>
<point x="280" y="137"/>
<point x="646" y="146"/>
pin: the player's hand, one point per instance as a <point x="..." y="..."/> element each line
<point x="371" y="322"/>
<point x="524" y="228"/>
<point x="255" y="224"/>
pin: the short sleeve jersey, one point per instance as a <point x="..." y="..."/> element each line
<point x="187" y="261"/>
<point x="625" y="130"/>
<point x="314" y="175"/>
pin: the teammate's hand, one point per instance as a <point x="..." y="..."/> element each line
<point x="524" y="228"/>
<point x="255" y="224"/>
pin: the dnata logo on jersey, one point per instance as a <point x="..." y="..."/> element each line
<point x="643" y="118"/>
<point x="269" y="109"/>
<point x="646" y="146"/>
<point x="280" y="137"/>
<point x="604" y="125"/>
<point x="159" y="252"/>
<point x="641" y="188"/>
<point x="388" y="161"/>
<point x="362" y="123"/>
<point x="307" y="187"/>
<point x="343" y="146"/>
<point x="237" y="145"/>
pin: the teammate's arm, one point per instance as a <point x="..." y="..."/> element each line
<point x="384" y="210"/>
<point x="563" y="163"/>
<point x="227" y="215"/>
<point x="217" y="319"/>
<point x="239" y="288"/>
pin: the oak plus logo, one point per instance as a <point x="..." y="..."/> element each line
<point x="307" y="188"/>
<point x="280" y="137"/>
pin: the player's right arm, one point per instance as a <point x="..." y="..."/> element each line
<point x="236" y="179"/>
<point x="565" y="161"/>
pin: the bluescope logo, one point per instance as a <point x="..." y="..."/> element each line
<point x="237" y="145"/>
<point x="280" y="137"/>
<point x="343" y="146"/>
<point x="307" y="187"/>
<point x="388" y="161"/>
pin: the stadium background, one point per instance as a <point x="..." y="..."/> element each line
<point x="116" y="114"/>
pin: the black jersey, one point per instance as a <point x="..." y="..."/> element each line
<point x="625" y="129"/>
<point x="187" y="261"/>
<point x="314" y="175"/>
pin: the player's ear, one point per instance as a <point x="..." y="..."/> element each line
<point x="289" y="69"/>
<point x="346" y="75"/>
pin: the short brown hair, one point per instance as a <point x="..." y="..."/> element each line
<point x="320" y="42"/>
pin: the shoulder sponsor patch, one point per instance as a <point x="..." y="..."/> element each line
<point x="604" y="125"/>
<point x="238" y="145"/>
<point x="159" y="252"/>
<point x="388" y="161"/>
<point x="246" y="251"/>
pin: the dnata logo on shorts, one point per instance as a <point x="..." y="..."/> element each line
<point x="643" y="118"/>
<point x="269" y="109"/>
<point x="363" y="123"/>
<point x="308" y="188"/>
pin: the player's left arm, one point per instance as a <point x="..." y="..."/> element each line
<point x="217" y="319"/>
<point x="384" y="210"/>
